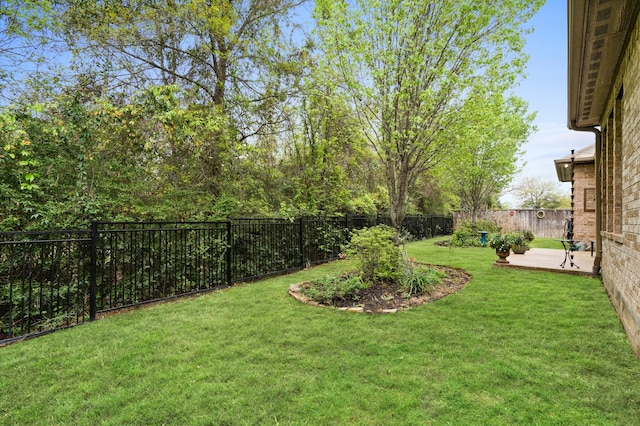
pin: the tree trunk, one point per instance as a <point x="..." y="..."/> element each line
<point x="398" y="184"/>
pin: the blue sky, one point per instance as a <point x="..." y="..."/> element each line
<point x="545" y="89"/>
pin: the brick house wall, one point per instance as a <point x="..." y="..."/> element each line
<point x="584" y="208"/>
<point x="620" y="186"/>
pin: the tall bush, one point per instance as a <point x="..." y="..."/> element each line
<point x="377" y="252"/>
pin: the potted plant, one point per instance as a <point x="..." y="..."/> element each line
<point x="518" y="243"/>
<point x="502" y="244"/>
<point x="528" y="237"/>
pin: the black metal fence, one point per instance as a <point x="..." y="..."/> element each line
<point x="43" y="281"/>
<point x="55" y="279"/>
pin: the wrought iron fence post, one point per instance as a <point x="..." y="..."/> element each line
<point x="228" y="254"/>
<point x="93" y="270"/>
<point x="301" y="242"/>
<point x="345" y="233"/>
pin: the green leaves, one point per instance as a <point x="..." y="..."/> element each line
<point x="15" y="158"/>
<point x="377" y="253"/>
<point x="409" y="68"/>
<point x="176" y="109"/>
<point x="329" y="289"/>
<point x="488" y="150"/>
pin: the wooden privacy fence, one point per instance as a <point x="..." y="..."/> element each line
<point x="547" y="223"/>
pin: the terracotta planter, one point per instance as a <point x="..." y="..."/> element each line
<point x="502" y="254"/>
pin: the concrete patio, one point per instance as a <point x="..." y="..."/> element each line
<point x="550" y="260"/>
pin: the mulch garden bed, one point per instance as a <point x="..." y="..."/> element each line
<point x="386" y="297"/>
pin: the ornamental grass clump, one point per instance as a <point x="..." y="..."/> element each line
<point x="420" y="279"/>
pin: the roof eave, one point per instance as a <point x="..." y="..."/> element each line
<point x="575" y="35"/>
<point x="597" y="34"/>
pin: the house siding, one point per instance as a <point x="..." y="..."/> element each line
<point x="620" y="184"/>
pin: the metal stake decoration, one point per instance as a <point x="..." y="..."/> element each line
<point x="570" y="230"/>
<point x="568" y="242"/>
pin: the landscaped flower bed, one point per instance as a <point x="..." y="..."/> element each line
<point x="381" y="297"/>
<point x="384" y="280"/>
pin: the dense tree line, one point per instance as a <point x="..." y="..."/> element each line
<point x="200" y="109"/>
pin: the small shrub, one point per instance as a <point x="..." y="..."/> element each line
<point x="464" y="237"/>
<point x="468" y="233"/>
<point x="418" y="280"/>
<point x="487" y="225"/>
<point x="377" y="253"/>
<point x="328" y="289"/>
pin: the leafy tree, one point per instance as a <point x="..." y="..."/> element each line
<point x="537" y="193"/>
<point x="82" y="158"/>
<point x="233" y="54"/>
<point x="430" y="196"/>
<point x="487" y="156"/>
<point x="236" y="58"/>
<point x="409" y="67"/>
<point x="18" y="172"/>
<point x="25" y="33"/>
<point x="328" y="166"/>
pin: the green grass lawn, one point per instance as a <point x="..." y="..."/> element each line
<point x="551" y="243"/>
<point x="513" y="347"/>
